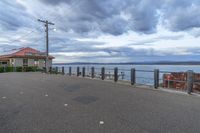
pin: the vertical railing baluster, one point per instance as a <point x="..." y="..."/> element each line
<point x="83" y="72"/>
<point x="63" y="70"/>
<point x="156" y="78"/>
<point x="190" y="81"/>
<point x="92" y="72"/>
<point x="56" y="70"/>
<point x="78" y="71"/>
<point x="70" y="71"/>
<point x="133" y="77"/>
<point x="116" y="74"/>
<point x="102" y="73"/>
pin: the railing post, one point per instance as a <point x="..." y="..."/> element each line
<point x="83" y="72"/>
<point x="50" y="70"/>
<point x="189" y="81"/>
<point x="116" y="74"/>
<point x="156" y="78"/>
<point x="133" y="76"/>
<point x="63" y="70"/>
<point x="56" y="70"/>
<point x="78" y="71"/>
<point x="92" y="72"/>
<point x="70" y="71"/>
<point x="102" y="73"/>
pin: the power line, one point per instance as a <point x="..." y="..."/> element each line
<point x="73" y="5"/>
<point x="23" y="36"/>
<point x="35" y="41"/>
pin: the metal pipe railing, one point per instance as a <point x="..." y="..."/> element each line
<point x="155" y="78"/>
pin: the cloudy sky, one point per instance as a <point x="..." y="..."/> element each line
<point x="104" y="30"/>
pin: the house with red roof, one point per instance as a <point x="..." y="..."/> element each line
<point x="24" y="57"/>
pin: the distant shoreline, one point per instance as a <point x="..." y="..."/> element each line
<point x="137" y="63"/>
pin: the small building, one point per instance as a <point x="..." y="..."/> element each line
<point x="25" y="57"/>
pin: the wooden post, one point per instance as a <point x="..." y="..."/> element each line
<point x="50" y="70"/>
<point x="189" y="81"/>
<point x="56" y="70"/>
<point x="78" y="71"/>
<point x="116" y="74"/>
<point x="156" y="78"/>
<point x="133" y="76"/>
<point x="70" y="71"/>
<point x="63" y="70"/>
<point x="92" y="72"/>
<point x="102" y="73"/>
<point x="83" y="72"/>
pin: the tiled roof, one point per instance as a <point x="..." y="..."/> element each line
<point x="25" y="52"/>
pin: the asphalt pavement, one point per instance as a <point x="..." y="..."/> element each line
<point x="42" y="103"/>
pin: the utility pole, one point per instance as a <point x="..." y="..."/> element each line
<point x="47" y="23"/>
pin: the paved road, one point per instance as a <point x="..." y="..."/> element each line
<point x="40" y="103"/>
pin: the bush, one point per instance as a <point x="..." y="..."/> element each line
<point x="1" y="69"/>
<point x="39" y="70"/>
<point x="18" y="69"/>
<point x="9" y="69"/>
<point x="30" y="69"/>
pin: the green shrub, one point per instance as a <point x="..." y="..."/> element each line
<point x="1" y="69"/>
<point x="39" y="70"/>
<point x="9" y="69"/>
<point x="30" y="69"/>
<point x="18" y="69"/>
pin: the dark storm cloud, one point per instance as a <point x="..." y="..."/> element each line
<point x="56" y="2"/>
<point x="105" y="15"/>
<point x="182" y="14"/>
<point x="144" y="15"/>
<point x="13" y="16"/>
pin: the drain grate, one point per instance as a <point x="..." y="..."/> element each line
<point x="86" y="99"/>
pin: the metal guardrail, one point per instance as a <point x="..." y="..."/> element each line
<point x="155" y="78"/>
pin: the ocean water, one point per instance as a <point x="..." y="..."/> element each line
<point x="144" y="73"/>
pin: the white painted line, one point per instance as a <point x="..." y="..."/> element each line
<point x="3" y="97"/>
<point x="101" y="122"/>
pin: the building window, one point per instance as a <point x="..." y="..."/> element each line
<point x="4" y="63"/>
<point x="25" y="62"/>
<point x="12" y="62"/>
<point x="36" y="62"/>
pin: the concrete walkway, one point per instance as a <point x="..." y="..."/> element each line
<point x="40" y="103"/>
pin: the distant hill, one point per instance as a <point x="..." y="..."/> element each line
<point x="134" y="63"/>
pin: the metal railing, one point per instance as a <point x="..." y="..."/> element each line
<point x="184" y="81"/>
